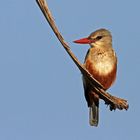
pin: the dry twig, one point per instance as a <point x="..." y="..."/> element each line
<point x="112" y="101"/>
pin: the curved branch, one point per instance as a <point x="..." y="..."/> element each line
<point x="113" y="101"/>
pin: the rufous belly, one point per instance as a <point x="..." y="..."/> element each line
<point x="104" y="72"/>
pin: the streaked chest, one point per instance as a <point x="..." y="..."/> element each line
<point x="100" y="61"/>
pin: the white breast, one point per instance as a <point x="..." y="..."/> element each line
<point x="104" y="62"/>
<point x="104" y="67"/>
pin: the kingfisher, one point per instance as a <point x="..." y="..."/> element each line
<point x="101" y="63"/>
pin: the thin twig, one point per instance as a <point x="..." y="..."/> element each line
<point x="113" y="101"/>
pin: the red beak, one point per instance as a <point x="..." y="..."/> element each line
<point x="83" y="41"/>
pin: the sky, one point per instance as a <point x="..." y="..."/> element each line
<point x="41" y="91"/>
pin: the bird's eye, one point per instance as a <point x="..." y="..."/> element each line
<point x="98" y="37"/>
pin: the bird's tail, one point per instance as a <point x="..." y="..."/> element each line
<point x="94" y="114"/>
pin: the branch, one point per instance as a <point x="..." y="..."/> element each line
<point x="113" y="101"/>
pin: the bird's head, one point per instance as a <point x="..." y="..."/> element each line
<point x="101" y="37"/>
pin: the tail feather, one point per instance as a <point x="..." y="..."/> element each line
<point x="94" y="114"/>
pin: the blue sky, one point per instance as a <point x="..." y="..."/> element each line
<point x="41" y="92"/>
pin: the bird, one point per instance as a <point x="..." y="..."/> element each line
<point x="101" y="63"/>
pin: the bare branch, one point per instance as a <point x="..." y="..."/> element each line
<point x="113" y="101"/>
